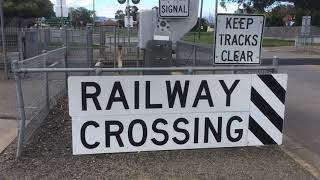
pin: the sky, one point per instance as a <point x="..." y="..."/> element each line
<point x="107" y="8"/>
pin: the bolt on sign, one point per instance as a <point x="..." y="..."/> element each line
<point x="174" y="8"/>
<point x="150" y="113"/>
<point x="238" y="39"/>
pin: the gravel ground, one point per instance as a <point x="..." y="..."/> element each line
<point x="49" y="156"/>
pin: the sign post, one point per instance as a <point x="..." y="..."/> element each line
<point x="238" y="39"/>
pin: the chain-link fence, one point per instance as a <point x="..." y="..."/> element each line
<point x="41" y="79"/>
<point x="192" y="54"/>
<point x="39" y="90"/>
<point x="309" y="44"/>
<point x="85" y="45"/>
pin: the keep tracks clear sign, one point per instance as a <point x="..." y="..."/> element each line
<point x="112" y="114"/>
<point x="238" y="39"/>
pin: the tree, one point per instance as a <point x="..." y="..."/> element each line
<point x="302" y="7"/>
<point x="80" y="16"/>
<point x="119" y="15"/>
<point x="204" y="25"/>
<point x="134" y="12"/>
<point x="24" y="9"/>
<point x="257" y="6"/>
<point x="276" y="17"/>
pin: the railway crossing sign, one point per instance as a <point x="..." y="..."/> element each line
<point x="238" y="39"/>
<point x="112" y="114"/>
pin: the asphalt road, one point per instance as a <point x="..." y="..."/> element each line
<point x="302" y="122"/>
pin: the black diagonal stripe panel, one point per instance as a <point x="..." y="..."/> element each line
<point x="266" y="109"/>
<point x="257" y="130"/>
<point x="274" y="86"/>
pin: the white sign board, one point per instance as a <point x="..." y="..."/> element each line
<point x="238" y="39"/>
<point x="65" y="11"/>
<point x="128" y="22"/>
<point x="108" y="96"/>
<point x="148" y="113"/>
<point x="174" y="8"/>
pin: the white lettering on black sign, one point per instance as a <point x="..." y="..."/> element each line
<point x="238" y="39"/>
<point x="174" y="8"/>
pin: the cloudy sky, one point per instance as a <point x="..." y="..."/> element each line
<point x="108" y="8"/>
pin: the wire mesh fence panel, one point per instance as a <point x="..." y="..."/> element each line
<point x="310" y="44"/>
<point x="41" y="90"/>
<point x="189" y="54"/>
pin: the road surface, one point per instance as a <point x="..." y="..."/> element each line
<point x="302" y="122"/>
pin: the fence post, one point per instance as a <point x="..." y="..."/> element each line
<point x="138" y="56"/>
<point x="20" y="44"/>
<point x="98" y="68"/>
<point x="66" y="74"/>
<point x="194" y="50"/>
<point x="89" y="47"/>
<point x="275" y="62"/>
<point x="177" y="51"/>
<point x="20" y="104"/>
<point x="66" y="57"/>
<point x="46" y="83"/>
<point x="115" y="47"/>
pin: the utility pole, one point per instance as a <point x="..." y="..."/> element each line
<point x="4" y="51"/>
<point x="216" y="11"/>
<point x="216" y="18"/>
<point x="128" y="22"/>
<point x="94" y="16"/>
<point x="200" y="19"/>
<point x="61" y="13"/>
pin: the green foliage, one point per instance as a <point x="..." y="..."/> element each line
<point x="28" y="8"/>
<point x="207" y="38"/>
<point x="204" y="24"/>
<point x="274" y="19"/>
<point x="302" y="8"/>
<point x="257" y="6"/>
<point x="278" y="14"/>
<point x="119" y="15"/>
<point x="80" y="16"/>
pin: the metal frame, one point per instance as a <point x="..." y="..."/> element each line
<point x="147" y="69"/>
<point x="97" y="71"/>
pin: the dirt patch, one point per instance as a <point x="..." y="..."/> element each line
<point x="49" y="156"/>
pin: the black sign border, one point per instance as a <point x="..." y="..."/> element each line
<point x="215" y="37"/>
<point x="174" y="16"/>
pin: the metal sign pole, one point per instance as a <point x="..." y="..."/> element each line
<point x="61" y="9"/>
<point x="200" y="19"/>
<point x="4" y="51"/>
<point x="94" y="15"/>
<point x="215" y="27"/>
<point x="128" y="22"/>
